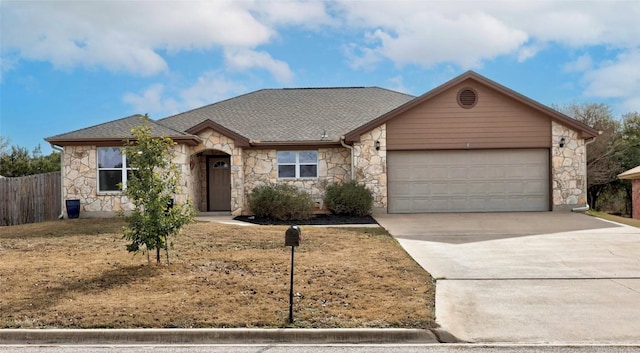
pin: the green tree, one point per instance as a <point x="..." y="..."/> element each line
<point x="17" y="161"/>
<point x="603" y="162"/>
<point x="629" y="153"/>
<point x="152" y="187"/>
<point x="4" y="145"/>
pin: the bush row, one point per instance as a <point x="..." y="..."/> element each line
<point x="286" y="202"/>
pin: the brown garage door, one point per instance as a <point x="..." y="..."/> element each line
<point x="468" y="181"/>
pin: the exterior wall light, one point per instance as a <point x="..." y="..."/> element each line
<point x="562" y="141"/>
<point x="377" y="145"/>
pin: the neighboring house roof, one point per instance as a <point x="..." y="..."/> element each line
<point x="117" y="131"/>
<point x="289" y="115"/>
<point x="631" y="173"/>
<point x="586" y="131"/>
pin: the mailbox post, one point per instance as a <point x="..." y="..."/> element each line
<point x="292" y="238"/>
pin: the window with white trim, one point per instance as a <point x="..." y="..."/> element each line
<point x="297" y="164"/>
<point x="112" y="169"/>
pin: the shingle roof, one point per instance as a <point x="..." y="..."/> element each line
<point x="302" y="114"/>
<point x="269" y="115"/>
<point x="119" y="129"/>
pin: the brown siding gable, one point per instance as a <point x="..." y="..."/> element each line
<point x="585" y="130"/>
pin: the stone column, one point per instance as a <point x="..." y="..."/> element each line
<point x="371" y="165"/>
<point x="568" y="168"/>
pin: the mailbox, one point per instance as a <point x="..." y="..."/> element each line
<point x="292" y="236"/>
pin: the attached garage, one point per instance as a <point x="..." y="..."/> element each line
<point x="490" y="180"/>
<point x="473" y="145"/>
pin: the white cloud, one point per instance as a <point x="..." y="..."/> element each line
<point x="294" y="13"/>
<point x="528" y="51"/>
<point x="397" y="84"/>
<point x="132" y="36"/>
<point x="468" y="33"/>
<point x="158" y="101"/>
<point x="359" y="57"/>
<point x="582" y="63"/>
<point x="209" y="88"/>
<point x="152" y="101"/>
<point x="618" y="79"/>
<point x="245" y="59"/>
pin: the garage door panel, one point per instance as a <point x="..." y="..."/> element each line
<point x="468" y="181"/>
<point x="400" y="189"/>
<point x="403" y="172"/>
<point x="419" y="188"/>
<point x="495" y="188"/>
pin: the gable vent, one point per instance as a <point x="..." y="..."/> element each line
<point x="467" y="98"/>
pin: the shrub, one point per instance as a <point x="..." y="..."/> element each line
<point x="281" y="201"/>
<point x="348" y="198"/>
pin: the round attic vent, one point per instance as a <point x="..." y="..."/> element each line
<point x="467" y="98"/>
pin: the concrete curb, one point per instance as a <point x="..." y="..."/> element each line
<point x="213" y="336"/>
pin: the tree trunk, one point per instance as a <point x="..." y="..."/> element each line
<point x="158" y="255"/>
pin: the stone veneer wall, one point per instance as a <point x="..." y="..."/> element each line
<point x="371" y="165"/>
<point x="261" y="167"/>
<point x="214" y="141"/>
<point x="80" y="181"/>
<point x="568" y="169"/>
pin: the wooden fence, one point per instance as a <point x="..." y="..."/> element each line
<point x="30" y="199"/>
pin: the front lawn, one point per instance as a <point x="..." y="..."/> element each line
<point x="77" y="274"/>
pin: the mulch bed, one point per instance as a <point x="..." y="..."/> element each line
<point x="320" y="219"/>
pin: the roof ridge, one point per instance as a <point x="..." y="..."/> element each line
<point x="328" y="87"/>
<point x="156" y="122"/>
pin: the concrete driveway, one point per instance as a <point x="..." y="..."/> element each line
<point x="528" y="277"/>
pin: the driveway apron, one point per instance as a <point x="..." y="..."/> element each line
<point x="528" y="277"/>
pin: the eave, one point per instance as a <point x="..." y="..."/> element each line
<point x="295" y="144"/>
<point x="630" y="174"/>
<point x="115" y="141"/>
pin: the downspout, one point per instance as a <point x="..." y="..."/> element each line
<point x="353" y="167"/>
<point x="61" y="150"/>
<point x="586" y="207"/>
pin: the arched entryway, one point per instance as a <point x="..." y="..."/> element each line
<point x="218" y="183"/>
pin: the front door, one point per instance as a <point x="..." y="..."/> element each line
<point x="219" y="189"/>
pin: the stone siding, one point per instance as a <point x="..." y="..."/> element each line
<point x="80" y="182"/>
<point x="261" y="167"/>
<point x="213" y="143"/>
<point x="371" y="165"/>
<point x="568" y="169"/>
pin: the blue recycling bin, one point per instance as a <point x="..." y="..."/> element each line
<point x="73" y="208"/>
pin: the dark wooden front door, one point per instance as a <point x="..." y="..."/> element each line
<point x="219" y="184"/>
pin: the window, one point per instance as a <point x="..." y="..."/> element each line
<point x="112" y="169"/>
<point x="297" y="164"/>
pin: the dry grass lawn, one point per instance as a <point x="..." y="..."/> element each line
<point x="77" y="274"/>
<point x="628" y="221"/>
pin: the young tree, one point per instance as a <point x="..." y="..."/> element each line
<point x="152" y="187"/>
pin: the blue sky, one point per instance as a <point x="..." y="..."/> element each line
<point x="66" y="65"/>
